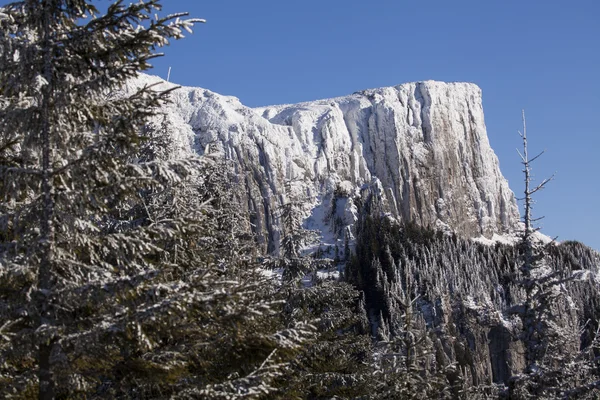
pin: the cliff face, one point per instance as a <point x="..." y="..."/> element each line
<point x="418" y="152"/>
<point x="423" y="146"/>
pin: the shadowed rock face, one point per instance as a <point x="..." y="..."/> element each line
<point x="467" y="294"/>
<point x="423" y="145"/>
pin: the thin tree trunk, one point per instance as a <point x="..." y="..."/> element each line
<point x="46" y="389"/>
<point x="45" y="286"/>
<point x="528" y="201"/>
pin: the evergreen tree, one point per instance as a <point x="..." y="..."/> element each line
<point x="405" y="359"/>
<point x="333" y="364"/>
<point x="63" y="145"/>
<point x="294" y="247"/>
<point x="122" y="272"/>
<point x="216" y="329"/>
<point x="463" y="287"/>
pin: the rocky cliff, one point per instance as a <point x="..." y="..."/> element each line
<point x="421" y="151"/>
<point x="421" y="146"/>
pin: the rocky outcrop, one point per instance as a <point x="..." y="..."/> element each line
<point x="467" y="294"/>
<point x="418" y="153"/>
<point x="423" y="145"/>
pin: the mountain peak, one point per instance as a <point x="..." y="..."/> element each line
<point x="424" y="144"/>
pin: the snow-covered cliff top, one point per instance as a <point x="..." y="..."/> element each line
<point x="421" y="146"/>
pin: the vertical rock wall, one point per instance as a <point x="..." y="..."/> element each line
<point x="424" y="145"/>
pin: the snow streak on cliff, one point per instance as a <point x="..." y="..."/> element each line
<point x="422" y="147"/>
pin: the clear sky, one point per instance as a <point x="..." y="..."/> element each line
<point x="540" y="55"/>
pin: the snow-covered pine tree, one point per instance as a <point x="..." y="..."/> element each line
<point x="221" y="335"/>
<point x="157" y="141"/>
<point x="294" y="237"/>
<point x="332" y="365"/>
<point x="64" y="143"/>
<point x="118" y="278"/>
<point x="405" y="362"/>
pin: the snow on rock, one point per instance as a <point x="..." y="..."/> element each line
<point x="423" y="145"/>
<point x="513" y="237"/>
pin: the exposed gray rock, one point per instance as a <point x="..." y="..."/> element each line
<point x="424" y="146"/>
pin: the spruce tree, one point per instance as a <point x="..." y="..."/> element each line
<point x="333" y="363"/>
<point x="295" y="241"/>
<point x="404" y="360"/>
<point x="125" y="273"/>
<point x="64" y="142"/>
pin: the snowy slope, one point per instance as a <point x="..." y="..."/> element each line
<point x="422" y="146"/>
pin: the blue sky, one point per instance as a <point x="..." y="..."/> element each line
<point x="543" y="56"/>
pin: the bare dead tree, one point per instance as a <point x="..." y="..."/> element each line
<point x="528" y="232"/>
<point x="541" y="284"/>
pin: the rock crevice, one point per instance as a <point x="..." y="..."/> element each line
<point x="425" y="142"/>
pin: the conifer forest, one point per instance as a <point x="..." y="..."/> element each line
<point x="132" y="270"/>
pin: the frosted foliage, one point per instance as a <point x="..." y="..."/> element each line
<point x="425" y="143"/>
<point x="122" y="267"/>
